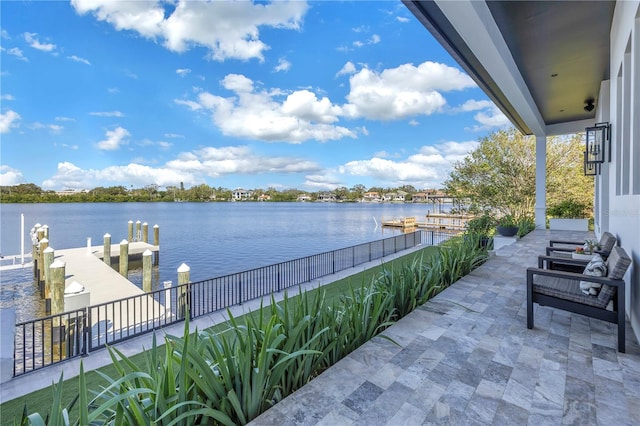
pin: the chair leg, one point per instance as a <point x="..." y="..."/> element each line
<point x="621" y="319"/>
<point x="529" y="301"/>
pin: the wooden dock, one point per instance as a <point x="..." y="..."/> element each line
<point x="104" y="284"/>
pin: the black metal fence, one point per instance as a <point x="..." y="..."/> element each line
<point x="46" y="341"/>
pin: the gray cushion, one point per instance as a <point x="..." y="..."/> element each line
<point x="607" y="242"/>
<point x="617" y="263"/>
<point x="595" y="268"/>
<point x="563" y="288"/>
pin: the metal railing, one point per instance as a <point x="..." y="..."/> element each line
<point x="46" y="341"/>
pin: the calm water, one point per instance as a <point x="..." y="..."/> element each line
<point x="214" y="239"/>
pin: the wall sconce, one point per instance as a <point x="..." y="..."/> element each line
<point x="597" y="142"/>
<point x="590" y="169"/>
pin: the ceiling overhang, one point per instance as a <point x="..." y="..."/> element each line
<point x="539" y="62"/>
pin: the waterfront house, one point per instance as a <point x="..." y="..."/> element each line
<point x="558" y="68"/>
<point x="241" y="194"/>
<point x="371" y="197"/>
<point x="326" y="197"/>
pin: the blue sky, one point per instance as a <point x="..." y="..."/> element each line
<point x="312" y="96"/>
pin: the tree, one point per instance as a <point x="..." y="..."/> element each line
<point x="500" y="173"/>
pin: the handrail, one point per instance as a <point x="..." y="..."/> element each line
<point x="53" y="339"/>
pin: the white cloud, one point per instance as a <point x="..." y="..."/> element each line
<point x="32" y="40"/>
<point x="54" y="128"/>
<point x="65" y="119"/>
<point x="325" y="181"/>
<point x="234" y="35"/>
<point x="10" y="176"/>
<point x="348" y="68"/>
<point x="14" y="51"/>
<point x="489" y="115"/>
<point x="474" y="105"/>
<point x="173" y="136"/>
<point x="375" y="39"/>
<point x="113" y="90"/>
<point x="262" y="115"/>
<point x="182" y="72"/>
<point x="402" y="19"/>
<point x="114" y="138"/>
<point x="107" y="114"/>
<point x="8" y="120"/>
<point x="283" y="65"/>
<point x="402" y="92"/>
<point x="79" y="59"/>
<point x="7" y="97"/>
<point x="427" y="168"/>
<point x="189" y="167"/>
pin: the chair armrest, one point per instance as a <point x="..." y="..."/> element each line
<point x="572" y="276"/>
<point x="550" y="259"/>
<point x="549" y="249"/>
<point x="575" y="243"/>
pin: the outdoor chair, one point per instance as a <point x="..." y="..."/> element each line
<point x="606" y="243"/>
<point x="562" y="290"/>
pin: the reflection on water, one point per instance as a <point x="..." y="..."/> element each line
<point x="18" y="290"/>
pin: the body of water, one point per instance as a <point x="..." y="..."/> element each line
<point x="214" y="239"/>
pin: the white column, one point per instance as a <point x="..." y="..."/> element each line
<point x="541" y="182"/>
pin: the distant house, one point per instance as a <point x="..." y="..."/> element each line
<point x="241" y="194"/>
<point x="303" y="198"/>
<point x="400" y="196"/>
<point x="264" y="197"/>
<point x="371" y="197"/>
<point x="420" y="197"/>
<point x="69" y="191"/>
<point x="326" y="197"/>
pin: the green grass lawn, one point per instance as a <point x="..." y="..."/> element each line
<point x="40" y="401"/>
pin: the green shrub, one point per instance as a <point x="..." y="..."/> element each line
<point x="568" y="209"/>
<point x="231" y="377"/>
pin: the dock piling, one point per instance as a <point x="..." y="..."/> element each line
<point x="130" y="231"/>
<point x="184" y="272"/>
<point x="124" y="258"/>
<point x="146" y="271"/>
<point x="138" y="231"/>
<point x="57" y="271"/>
<point x="49" y="255"/>
<point x="145" y="232"/>
<point x="106" y="250"/>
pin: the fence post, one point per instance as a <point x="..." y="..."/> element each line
<point x="106" y="249"/>
<point x="353" y="256"/>
<point x="124" y="258"/>
<point x="183" y="289"/>
<point x="279" y="264"/>
<point x="146" y="271"/>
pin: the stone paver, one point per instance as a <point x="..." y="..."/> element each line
<point x="467" y="357"/>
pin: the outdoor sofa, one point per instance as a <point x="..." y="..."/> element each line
<point x="605" y="245"/>
<point x="561" y="290"/>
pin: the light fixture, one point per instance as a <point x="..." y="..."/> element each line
<point x="597" y="142"/>
<point x="590" y="169"/>
<point x="589" y="105"/>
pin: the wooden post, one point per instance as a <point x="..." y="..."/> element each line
<point x="57" y="271"/>
<point x="130" y="231"/>
<point x="44" y="243"/>
<point x="106" y="249"/>
<point x="145" y="232"/>
<point x="124" y="258"/>
<point x="183" y="289"/>
<point x="146" y="271"/>
<point x="45" y="229"/>
<point x="156" y="235"/>
<point x="138" y="232"/>
<point x="49" y="255"/>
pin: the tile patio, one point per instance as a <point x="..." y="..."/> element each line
<point x="466" y="357"/>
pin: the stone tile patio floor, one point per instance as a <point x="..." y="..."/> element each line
<point x="467" y="357"/>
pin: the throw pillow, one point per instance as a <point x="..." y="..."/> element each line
<point x="595" y="268"/>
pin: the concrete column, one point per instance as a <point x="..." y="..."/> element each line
<point x="146" y="271"/>
<point x="541" y="182"/>
<point x="145" y="232"/>
<point x="124" y="258"/>
<point x="7" y="341"/>
<point x="184" y="272"/>
<point x="130" y="231"/>
<point x="106" y="249"/>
